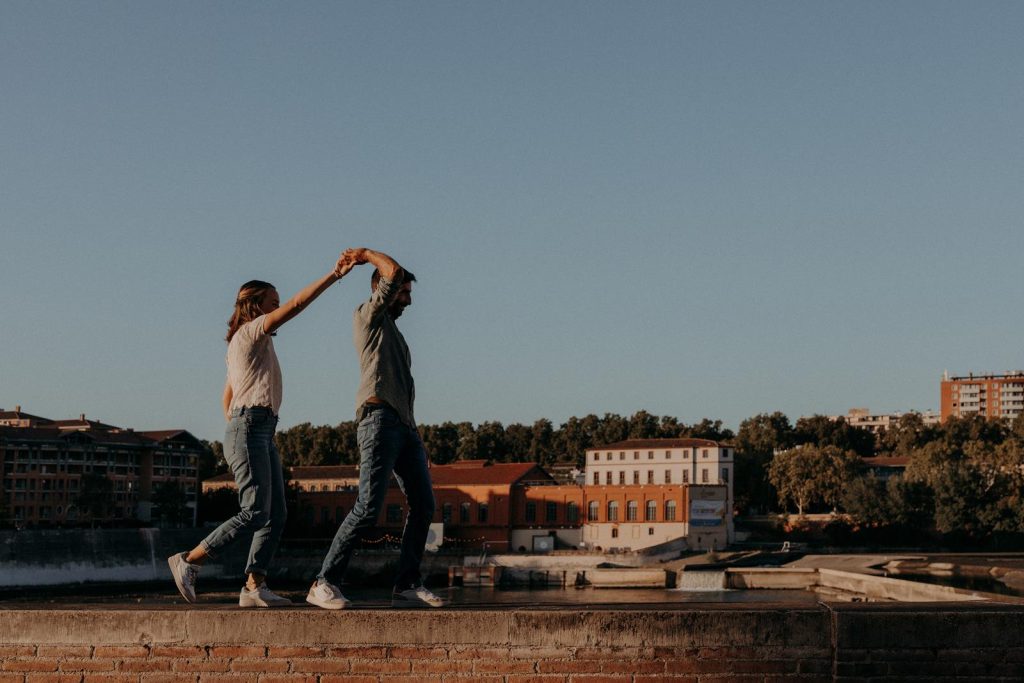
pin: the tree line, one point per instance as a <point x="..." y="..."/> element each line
<point x="964" y="476"/>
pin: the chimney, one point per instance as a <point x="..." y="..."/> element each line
<point x="81" y="417"/>
<point x="17" y="409"/>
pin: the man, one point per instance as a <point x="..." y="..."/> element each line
<point x="388" y="440"/>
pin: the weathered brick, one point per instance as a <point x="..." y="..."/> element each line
<point x="348" y="679"/>
<point x="902" y="655"/>
<point x="321" y="666"/>
<point x="570" y="666"/>
<point x="233" y="651"/>
<point x="498" y="666"/>
<point x="200" y="665"/>
<point x="731" y="653"/>
<point x="60" y="651"/>
<point x="536" y="678"/>
<point x="258" y="665"/>
<point x="382" y="666"/>
<point x="420" y="666"/>
<point x="601" y="678"/>
<point x="862" y="668"/>
<point x="141" y="665"/>
<point x="624" y="653"/>
<point x="470" y="678"/>
<point x="660" y="679"/>
<point x="18" y="678"/>
<point x="35" y="664"/>
<point x="852" y="655"/>
<point x="88" y="664"/>
<point x="224" y="678"/>
<point x="107" y="678"/>
<point x="178" y="651"/>
<point x="17" y="651"/>
<point x="417" y="653"/>
<point x="641" y="667"/>
<point x="168" y="678"/>
<point x="361" y="652"/>
<point x="478" y="653"/>
<point x="120" y="651"/>
<point x="287" y="678"/>
<point x="698" y="666"/>
<point x="538" y="653"/>
<point x="766" y="666"/>
<point x="50" y="678"/>
<point x="296" y="651"/>
<point x="814" y="666"/>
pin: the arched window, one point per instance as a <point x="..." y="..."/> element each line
<point x="631" y="511"/>
<point x="670" y="511"/>
<point x="652" y="511"/>
<point x="613" y="511"/>
<point x="592" y="508"/>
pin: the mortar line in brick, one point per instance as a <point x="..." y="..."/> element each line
<point x="833" y="626"/>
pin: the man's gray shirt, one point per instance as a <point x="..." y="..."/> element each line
<point x="384" y="362"/>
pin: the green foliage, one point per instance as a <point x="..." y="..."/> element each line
<point x="809" y="474"/>
<point x="170" y="504"/>
<point x="821" y="431"/>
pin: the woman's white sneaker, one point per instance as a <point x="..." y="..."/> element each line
<point x="185" y="575"/>
<point x="261" y="597"/>
<point x="325" y="594"/>
<point x="415" y="597"/>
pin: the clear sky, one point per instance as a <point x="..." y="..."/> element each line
<point x="700" y="209"/>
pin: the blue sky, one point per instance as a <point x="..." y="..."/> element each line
<point x="696" y="209"/>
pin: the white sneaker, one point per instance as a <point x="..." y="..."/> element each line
<point x="261" y="597"/>
<point x="325" y="594"/>
<point x="185" y="575"/>
<point x="416" y="597"/>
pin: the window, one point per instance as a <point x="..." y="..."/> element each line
<point x="704" y="475"/>
<point x="725" y="475"/>
<point x="597" y="478"/>
<point x="651" y="512"/>
<point x="650" y="455"/>
<point x="622" y="477"/>
<point x="592" y="508"/>
<point x="608" y="457"/>
<point x="704" y="454"/>
<point x="613" y="511"/>
<point x="446" y="513"/>
<point x="668" y="455"/>
<point x="686" y="476"/>
<point x="339" y="513"/>
<point x="650" y="476"/>
<point x="325" y="515"/>
<point x="636" y="455"/>
<point x="572" y="513"/>
<point x="668" y="476"/>
<point x="394" y="513"/>
<point x="725" y="454"/>
<point x="481" y="512"/>
<point x="632" y="510"/>
<point x="551" y="512"/>
<point x="636" y="476"/>
<point x="622" y="455"/>
<point x="464" y="513"/>
<point x="531" y="512"/>
<point x="650" y="531"/>
<point x="597" y="456"/>
<point x="608" y="478"/>
<point x="670" y="511"/>
<point x="615" y="533"/>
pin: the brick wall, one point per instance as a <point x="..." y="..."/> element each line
<point x="703" y="644"/>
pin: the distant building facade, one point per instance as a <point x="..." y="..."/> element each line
<point x="46" y="466"/>
<point x="993" y="396"/>
<point x="878" y="422"/>
<point x="643" y="492"/>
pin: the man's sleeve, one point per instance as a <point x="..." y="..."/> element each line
<point x="380" y="299"/>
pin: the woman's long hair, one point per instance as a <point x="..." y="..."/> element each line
<point x="247" y="305"/>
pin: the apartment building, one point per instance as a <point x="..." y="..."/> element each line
<point x="48" y="465"/>
<point x="644" y="492"/>
<point x="989" y="395"/>
<point x="877" y="422"/>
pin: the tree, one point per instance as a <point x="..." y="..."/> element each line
<point x="468" y="448"/>
<point x="642" y="425"/>
<point x="211" y="460"/>
<point x="807" y="474"/>
<point x="906" y="434"/>
<point x="709" y="429"/>
<point x="756" y="442"/>
<point x="94" y="496"/>
<point x="820" y="431"/>
<point x="170" y="504"/>
<point x="490" y="442"/>
<point x="517" y="442"/>
<point x="441" y="442"/>
<point x="542" y="441"/>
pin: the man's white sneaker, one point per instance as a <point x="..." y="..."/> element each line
<point x="415" y="597"/>
<point x="261" y="597"/>
<point x="185" y="575"/>
<point x="325" y="594"/>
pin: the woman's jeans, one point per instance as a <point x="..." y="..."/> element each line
<point x="386" y="445"/>
<point x="252" y="456"/>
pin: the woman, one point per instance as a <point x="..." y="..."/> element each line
<point x="252" y="398"/>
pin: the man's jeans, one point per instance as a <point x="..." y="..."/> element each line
<point x="386" y="445"/>
<point x="250" y="453"/>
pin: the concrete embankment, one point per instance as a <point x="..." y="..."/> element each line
<point x="846" y="643"/>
